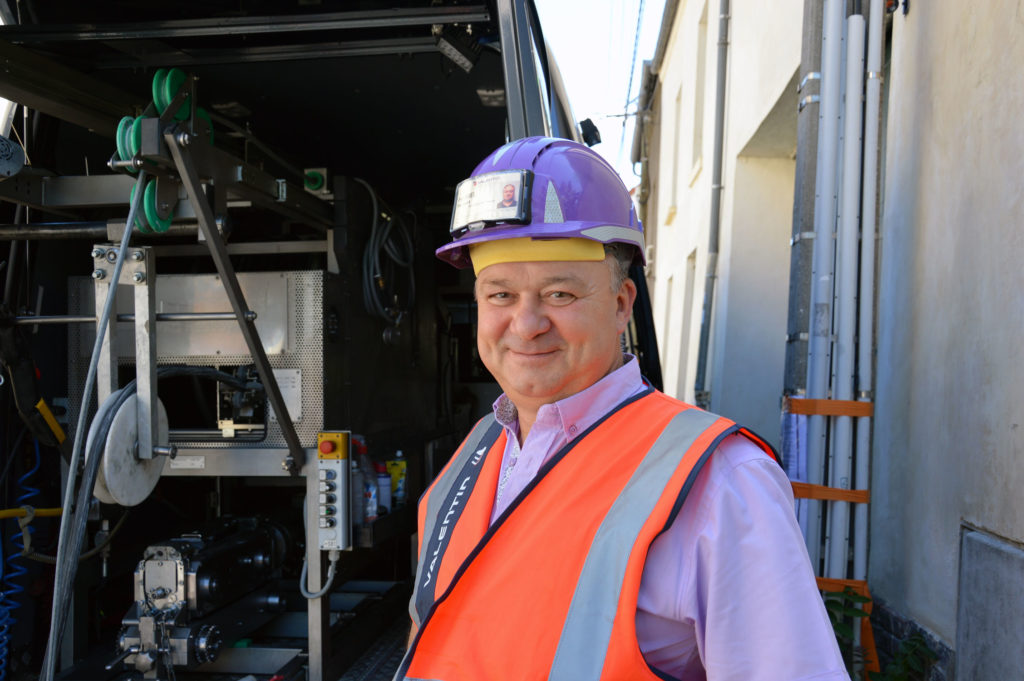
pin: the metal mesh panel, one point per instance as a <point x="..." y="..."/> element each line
<point x="301" y="348"/>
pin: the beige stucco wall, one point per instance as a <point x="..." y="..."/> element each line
<point x="948" y="439"/>
<point x="764" y="55"/>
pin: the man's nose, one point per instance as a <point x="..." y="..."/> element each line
<point x="529" y="319"/>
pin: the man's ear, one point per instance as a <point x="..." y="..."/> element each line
<point x="624" y="304"/>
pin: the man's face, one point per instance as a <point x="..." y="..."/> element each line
<point x="508" y="192"/>
<point x="548" y="330"/>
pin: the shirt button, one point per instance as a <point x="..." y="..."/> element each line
<point x="572" y="429"/>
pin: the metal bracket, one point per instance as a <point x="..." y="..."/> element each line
<point x="218" y="251"/>
<point x="139" y="272"/>
<point x="800" y="237"/>
<point x="813" y="75"/>
<point x="807" y="101"/>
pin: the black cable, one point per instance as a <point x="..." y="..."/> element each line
<point x="388" y="234"/>
<point x="80" y="513"/>
<point x="52" y="560"/>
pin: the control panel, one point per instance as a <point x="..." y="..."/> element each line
<point x="333" y="526"/>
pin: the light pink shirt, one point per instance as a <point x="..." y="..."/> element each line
<point x="727" y="591"/>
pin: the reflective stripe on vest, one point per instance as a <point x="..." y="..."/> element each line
<point x="448" y="496"/>
<point x="550" y="589"/>
<point x="587" y="629"/>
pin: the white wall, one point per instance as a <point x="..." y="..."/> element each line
<point x="748" y="370"/>
<point x="764" y="55"/>
<point x="949" y="432"/>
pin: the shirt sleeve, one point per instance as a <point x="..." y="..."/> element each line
<point x="727" y="592"/>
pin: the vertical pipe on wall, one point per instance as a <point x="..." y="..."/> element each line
<point x="820" y="326"/>
<point x="865" y="334"/>
<point x="846" y="298"/>
<point x="701" y="393"/>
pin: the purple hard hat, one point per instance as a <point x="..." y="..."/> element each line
<point x="544" y="188"/>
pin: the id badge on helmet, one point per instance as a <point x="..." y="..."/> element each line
<point x="492" y="198"/>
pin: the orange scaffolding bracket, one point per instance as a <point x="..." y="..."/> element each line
<point x="809" y="407"/>
<point x="867" y="635"/>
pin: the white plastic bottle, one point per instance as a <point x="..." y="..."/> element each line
<point x="358" y="506"/>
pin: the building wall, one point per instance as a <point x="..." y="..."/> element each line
<point x="747" y="341"/>
<point x="948" y="440"/>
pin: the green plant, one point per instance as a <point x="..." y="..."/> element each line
<point x="843" y="613"/>
<point x="912" y="659"/>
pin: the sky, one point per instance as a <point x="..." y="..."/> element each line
<point x="593" y="44"/>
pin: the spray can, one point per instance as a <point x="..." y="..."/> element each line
<point x="383" y="486"/>
<point x="368" y="487"/>
<point x="397" y="468"/>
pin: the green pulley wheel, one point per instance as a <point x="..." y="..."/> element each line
<point x="172" y="83"/>
<point x="149" y="207"/>
<point x="314" y="180"/>
<point x="157" y="87"/>
<point x="140" y="218"/>
<point x="202" y="113"/>
<point x="121" y="137"/>
<point x="134" y="137"/>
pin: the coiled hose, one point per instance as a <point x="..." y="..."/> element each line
<point x="13" y="569"/>
<point x="5" y="626"/>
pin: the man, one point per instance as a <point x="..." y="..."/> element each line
<point x="508" y="196"/>
<point x="594" y="528"/>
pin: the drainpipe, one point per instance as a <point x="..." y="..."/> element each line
<point x="701" y="392"/>
<point x="869" y="208"/>
<point x="820" y="325"/>
<point x="838" y="540"/>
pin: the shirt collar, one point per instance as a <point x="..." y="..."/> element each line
<point x="577" y="413"/>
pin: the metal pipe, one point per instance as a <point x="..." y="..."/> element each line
<point x="820" y="326"/>
<point x="846" y="298"/>
<point x="12" y="259"/>
<point x="702" y="396"/>
<point x="160" y="317"/>
<point x="865" y="341"/>
<point x="95" y="229"/>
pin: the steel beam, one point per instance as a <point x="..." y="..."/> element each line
<point x="274" y="53"/>
<point x="207" y="224"/>
<point x="226" y="26"/>
<point x="44" y="84"/>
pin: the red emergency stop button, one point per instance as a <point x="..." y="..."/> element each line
<point x="327" y="446"/>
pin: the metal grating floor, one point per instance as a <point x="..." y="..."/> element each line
<point x="381" y="660"/>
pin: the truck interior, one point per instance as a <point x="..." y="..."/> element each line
<point x="257" y="187"/>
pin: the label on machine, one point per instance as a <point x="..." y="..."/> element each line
<point x="189" y="462"/>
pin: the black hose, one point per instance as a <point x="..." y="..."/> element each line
<point x="390" y="235"/>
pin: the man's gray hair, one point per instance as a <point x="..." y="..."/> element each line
<point x="621" y="261"/>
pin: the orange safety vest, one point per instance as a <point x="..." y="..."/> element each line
<point x="549" y="591"/>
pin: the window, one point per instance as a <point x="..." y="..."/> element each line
<point x="698" y="94"/>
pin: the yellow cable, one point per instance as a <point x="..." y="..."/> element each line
<point x="58" y="432"/>
<point x="21" y="513"/>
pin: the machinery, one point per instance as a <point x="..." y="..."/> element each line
<point x="191" y="592"/>
<point x="219" y="224"/>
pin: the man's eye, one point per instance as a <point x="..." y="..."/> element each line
<point x="561" y="297"/>
<point x="499" y="296"/>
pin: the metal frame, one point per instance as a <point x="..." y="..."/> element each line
<point x="139" y="272"/>
<point x="222" y="26"/>
<point x="525" y="107"/>
<point x="178" y="143"/>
